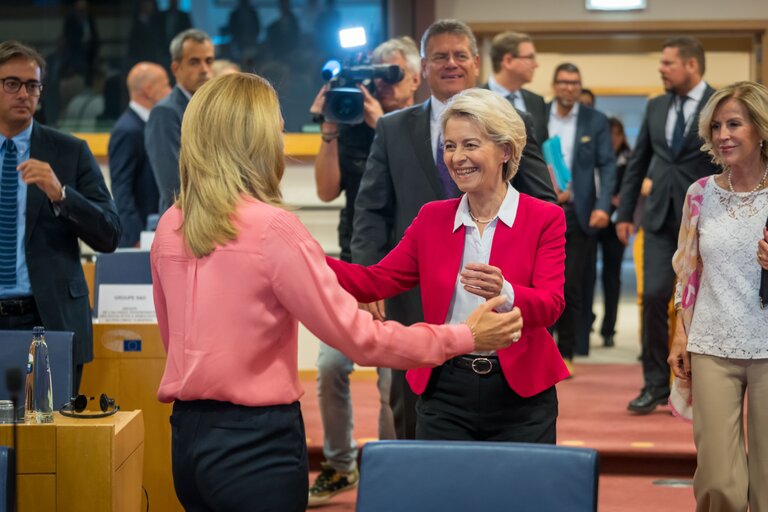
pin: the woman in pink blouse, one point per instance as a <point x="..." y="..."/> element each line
<point x="233" y="274"/>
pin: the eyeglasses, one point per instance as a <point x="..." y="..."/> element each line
<point x="531" y="57"/>
<point x="568" y="83"/>
<point x="443" y="58"/>
<point x="12" y="85"/>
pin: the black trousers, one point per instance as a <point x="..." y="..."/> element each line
<point x="578" y="248"/>
<point x="403" y="403"/>
<point x="658" y="286"/>
<point x="613" y="256"/>
<point x="459" y="405"/>
<point x="229" y="457"/>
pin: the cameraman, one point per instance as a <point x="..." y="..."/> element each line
<point x="339" y="166"/>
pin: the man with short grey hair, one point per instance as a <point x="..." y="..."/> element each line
<point x="513" y="58"/>
<point x="191" y="61"/>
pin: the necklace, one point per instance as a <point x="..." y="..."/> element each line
<point x="481" y="221"/>
<point x="745" y="201"/>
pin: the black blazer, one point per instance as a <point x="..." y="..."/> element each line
<point x="592" y="151"/>
<point x="401" y="176"/>
<point x="535" y="106"/>
<point x="672" y="174"/>
<point x="162" y="139"/>
<point x="51" y="241"/>
<point x="133" y="183"/>
<point x="537" y="109"/>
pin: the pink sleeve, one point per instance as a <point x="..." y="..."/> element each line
<point x="542" y="303"/>
<point x="158" y="296"/>
<point x="309" y="290"/>
<point x="397" y="272"/>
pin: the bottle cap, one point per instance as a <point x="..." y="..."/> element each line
<point x="38" y="330"/>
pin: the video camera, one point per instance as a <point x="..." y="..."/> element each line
<point x="344" y="100"/>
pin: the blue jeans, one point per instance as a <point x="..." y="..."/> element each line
<point x="339" y="447"/>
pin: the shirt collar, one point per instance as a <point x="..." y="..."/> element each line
<point x="571" y="115"/>
<point x="697" y="92"/>
<point x="22" y="140"/>
<point x="498" y="88"/>
<point x="185" y="92"/>
<point x="507" y="210"/>
<point x="437" y="108"/>
<point x="142" y="112"/>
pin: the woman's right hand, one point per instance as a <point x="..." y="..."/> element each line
<point x="679" y="359"/>
<point x="494" y="331"/>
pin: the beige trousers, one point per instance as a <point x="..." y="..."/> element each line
<point x="726" y="479"/>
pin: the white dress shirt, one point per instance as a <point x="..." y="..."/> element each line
<point x="477" y="249"/>
<point x="517" y="99"/>
<point x="142" y="112"/>
<point x="565" y="127"/>
<point x="689" y="109"/>
<point x="437" y="108"/>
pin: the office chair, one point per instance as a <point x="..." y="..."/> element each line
<point x="479" y="476"/>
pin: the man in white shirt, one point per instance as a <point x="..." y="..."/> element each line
<point x="585" y="140"/>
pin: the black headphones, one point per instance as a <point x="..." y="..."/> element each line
<point x="75" y="407"/>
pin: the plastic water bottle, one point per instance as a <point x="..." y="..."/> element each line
<point x="39" y="395"/>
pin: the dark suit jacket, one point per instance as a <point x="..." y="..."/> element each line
<point x="50" y="241"/>
<point x="537" y="108"/>
<point x="592" y="151"/>
<point x="671" y="174"/>
<point x="133" y="182"/>
<point x="401" y="176"/>
<point x="162" y="140"/>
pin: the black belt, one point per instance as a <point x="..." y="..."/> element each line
<point x="481" y="365"/>
<point x="17" y="307"/>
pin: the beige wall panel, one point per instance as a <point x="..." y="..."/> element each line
<point x="634" y="73"/>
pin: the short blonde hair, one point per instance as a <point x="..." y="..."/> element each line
<point x="754" y="97"/>
<point x="496" y="118"/>
<point x="231" y="146"/>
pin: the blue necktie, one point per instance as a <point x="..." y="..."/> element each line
<point x="449" y="186"/>
<point x="9" y="186"/>
<point x="678" y="134"/>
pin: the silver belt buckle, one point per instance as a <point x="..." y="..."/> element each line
<point x="482" y="365"/>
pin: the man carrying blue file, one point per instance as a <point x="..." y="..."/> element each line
<point x="579" y="148"/>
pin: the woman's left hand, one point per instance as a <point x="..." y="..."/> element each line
<point x="762" y="250"/>
<point x="483" y="280"/>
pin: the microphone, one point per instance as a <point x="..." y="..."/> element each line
<point x="764" y="284"/>
<point x="13" y="382"/>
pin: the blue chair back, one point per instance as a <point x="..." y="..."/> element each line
<point x="121" y="267"/>
<point x="14" y="353"/>
<point x="460" y="476"/>
<point x="6" y="479"/>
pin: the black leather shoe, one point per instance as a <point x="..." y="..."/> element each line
<point x="648" y="400"/>
<point x="608" y="341"/>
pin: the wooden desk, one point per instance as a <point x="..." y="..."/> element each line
<point x="80" y="464"/>
<point x="130" y="373"/>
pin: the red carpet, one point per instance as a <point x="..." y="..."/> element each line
<point x="635" y="451"/>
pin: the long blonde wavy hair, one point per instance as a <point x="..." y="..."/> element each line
<point x="231" y="146"/>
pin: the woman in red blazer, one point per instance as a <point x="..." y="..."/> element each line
<point x="491" y="241"/>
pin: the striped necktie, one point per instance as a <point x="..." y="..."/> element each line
<point x="9" y="186"/>
<point x="449" y="186"/>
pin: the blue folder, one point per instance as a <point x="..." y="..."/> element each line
<point x="553" y="155"/>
